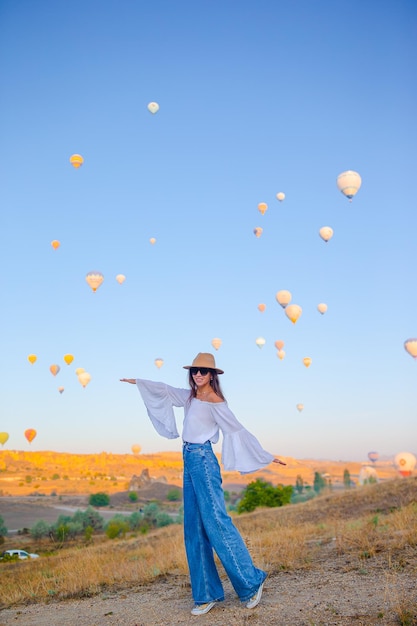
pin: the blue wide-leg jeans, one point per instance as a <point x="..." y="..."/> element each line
<point x="208" y="527"/>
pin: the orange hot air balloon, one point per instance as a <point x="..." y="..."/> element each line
<point x="307" y="361"/>
<point x="60" y="389"/>
<point x="152" y="240"/>
<point x="3" y="438"/>
<point x="68" y="358"/>
<point x="30" y="434"/>
<point x="54" y="369"/>
<point x="258" y="231"/>
<point x="261" y="307"/>
<point x="410" y="345"/>
<point x="293" y="312"/>
<point x="84" y="378"/>
<point x="281" y="354"/>
<point x="159" y="363"/>
<point x="136" y="448"/>
<point x="79" y="370"/>
<point x="120" y="278"/>
<point x="55" y="244"/>
<point x="262" y="208"/>
<point x="32" y="358"/>
<point x="216" y="343"/>
<point x="76" y="160"/>
<point x="283" y="297"/>
<point x="279" y="344"/>
<point x="94" y="279"/>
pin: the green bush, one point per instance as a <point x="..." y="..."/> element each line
<point x="262" y="493"/>
<point x="133" y="496"/>
<point x="99" y="499"/>
<point x="40" y="529"/>
<point x="3" y="529"/>
<point x="174" y="495"/>
<point x="117" y="527"/>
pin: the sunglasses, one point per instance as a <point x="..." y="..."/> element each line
<point x="203" y="370"/>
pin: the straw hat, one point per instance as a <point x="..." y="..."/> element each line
<point x="204" y="359"/>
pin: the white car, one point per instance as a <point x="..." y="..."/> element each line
<point x="21" y="554"/>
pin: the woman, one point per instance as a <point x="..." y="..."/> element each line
<point x="207" y="526"/>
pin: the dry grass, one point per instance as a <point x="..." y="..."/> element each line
<point x="374" y="522"/>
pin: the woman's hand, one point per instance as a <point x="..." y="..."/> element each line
<point x="132" y="381"/>
<point x="279" y="461"/>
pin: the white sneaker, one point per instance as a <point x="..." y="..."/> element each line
<point x="201" y="609"/>
<point x="255" y="600"/>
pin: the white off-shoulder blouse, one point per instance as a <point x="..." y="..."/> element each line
<point x="241" y="451"/>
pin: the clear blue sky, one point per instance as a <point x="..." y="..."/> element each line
<point x="255" y="98"/>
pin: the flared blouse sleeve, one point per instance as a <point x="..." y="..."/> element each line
<point x="241" y="451"/>
<point x="159" y="400"/>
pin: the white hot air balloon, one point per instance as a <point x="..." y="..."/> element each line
<point x="84" y="378"/>
<point x="411" y="346"/>
<point x="349" y="183"/>
<point x="300" y="407"/>
<point x="280" y="196"/>
<point x="260" y="342"/>
<point x="293" y="312"/>
<point x="283" y="297"/>
<point x="326" y="233"/>
<point x="216" y="343"/>
<point x="405" y="463"/>
<point x="153" y="107"/>
<point x="322" y="308"/>
<point x="281" y="354"/>
<point x="367" y="475"/>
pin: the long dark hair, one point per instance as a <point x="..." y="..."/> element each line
<point x="214" y="384"/>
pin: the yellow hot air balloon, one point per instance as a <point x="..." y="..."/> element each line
<point x="258" y="231"/>
<point x="3" y="438"/>
<point x="411" y="346"/>
<point x="32" y="358"/>
<point x="120" y="278"/>
<point x="281" y="354"/>
<point x="79" y="370"/>
<point x="55" y="244"/>
<point x="307" y="361"/>
<point x="68" y="358"/>
<point x="260" y="342"/>
<point x="262" y="208"/>
<point x="293" y="312"/>
<point x="54" y="369"/>
<point x="159" y="363"/>
<point x="405" y="463"/>
<point x="216" y="343"/>
<point x="84" y="378"/>
<point x="76" y="160"/>
<point x="322" y="308"/>
<point x="152" y="240"/>
<point x="153" y="107"/>
<point x="326" y="233"/>
<point x="261" y="307"/>
<point x="279" y="344"/>
<point x="280" y="196"/>
<point x="136" y="448"/>
<point x="60" y="389"/>
<point x="94" y="279"/>
<point x="300" y="407"/>
<point x="283" y="297"/>
<point x="30" y="434"/>
<point x="349" y="183"/>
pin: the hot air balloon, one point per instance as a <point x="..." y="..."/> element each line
<point x="152" y="240"/>
<point x="373" y="456"/>
<point x="120" y="278"/>
<point x="260" y="342"/>
<point x="326" y="233"/>
<point x="261" y="307"/>
<point x="293" y="312"/>
<point x="55" y="244"/>
<point x="84" y="378"/>
<point x="136" y="448"/>
<point x="54" y="369"/>
<point x="279" y="344"/>
<point x="76" y="160"/>
<point x="367" y="474"/>
<point x="322" y="308"/>
<point x="68" y="358"/>
<point x="405" y="463"/>
<point x="258" y="231"/>
<point x="94" y="279"/>
<point x="300" y="407"/>
<point x="30" y="434"/>
<point x="307" y="361"/>
<point x="159" y="363"/>
<point x="411" y="346"/>
<point x="262" y="208"/>
<point x="153" y="107"/>
<point x="61" y="389"/>
<point x="79" y="370"/>
<point x="216" y="343"/>
<point x="283" y="297"/>
<point x="281" y="354"/>
<point x="32" y="358"/>
<point x="349" y="183"/>
<point x="280" y="196"/>
<point x="3" y="438"/>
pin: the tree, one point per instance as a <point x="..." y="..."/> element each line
<point x="99" y="499"/>
<point x="299" y="484"/>
<point x="319" y="482"/>
<point x="262" y="493"/>
<point x="346" y="479"/>
<point x="40" y="529"/>
<point x="3" y="529"/>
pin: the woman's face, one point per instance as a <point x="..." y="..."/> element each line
<point x="199" y="378"/>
